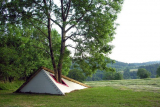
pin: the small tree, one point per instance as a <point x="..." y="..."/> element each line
<point x="143" y="73"/>
<point x="158" y="71"/>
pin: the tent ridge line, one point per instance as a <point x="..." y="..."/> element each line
<point x="66" y="77"/>
<point x="44" y="68"/>
<point x="18" y="90"/>
<point x="46" y="75"/>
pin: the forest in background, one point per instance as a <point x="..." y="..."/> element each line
<point x="128" y="70"/>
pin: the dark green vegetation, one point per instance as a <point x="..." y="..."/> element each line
<point x="115" y="93"/>
<point x="113" y="76"/>
<point x="143" y="73"/>
<point x="23" y="51"/>
<point x="158" y="71"/>
<point x="120" y="66"/>
<point x="89" y="24"/>
<point x="129" y="70"/>
<point x="10" y="85"/>
<point x="77" y="75"/>
<point x="151" y="68"/>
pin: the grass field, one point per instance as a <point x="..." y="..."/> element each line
<point x="149" y="84"/>
<point x="103" y="94"/>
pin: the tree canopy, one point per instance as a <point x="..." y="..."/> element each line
<point x="22" y="52"/>
<point x="90" y="24"/>
<point x="158" y="71"/>
<point x="143" y="73"/>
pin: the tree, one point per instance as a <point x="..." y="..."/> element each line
<point x="152" y="68"/>
<point x="21" y="52"/>
<point x="90" y="24"/>
<point x="143" y="73"/>
<point x="158" y="71"/>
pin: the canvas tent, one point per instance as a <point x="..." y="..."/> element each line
<point x="43" y="81"/>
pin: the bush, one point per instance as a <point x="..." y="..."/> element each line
<point x="143" y="73"/>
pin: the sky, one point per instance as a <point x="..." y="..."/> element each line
<point x="137" y="37"/>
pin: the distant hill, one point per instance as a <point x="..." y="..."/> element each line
<point x="132" y="67"/>
<point x="151" y="68"/>
<point x="120" y="66"/>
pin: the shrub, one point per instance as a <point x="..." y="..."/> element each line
<point x="143" y="73"/>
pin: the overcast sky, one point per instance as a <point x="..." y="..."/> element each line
<point x="138" y="36"/>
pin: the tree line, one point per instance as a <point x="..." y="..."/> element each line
<point x="149" y="69"/>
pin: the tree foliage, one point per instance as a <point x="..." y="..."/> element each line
<point x="126" y="73"/>
<point x="77" y="75"/>
<point x="24" y="51"/>
<point x="143" y="73"/>
<point x="158" y="71"/>
<point x="113" y="76"/>
<point x="90" y="24"/>
<point x="152" y="68"/>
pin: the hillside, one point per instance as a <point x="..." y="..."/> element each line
<point x="120" y="66"/>
<point x="151" y="68"/>
<point x="131" y="68"/>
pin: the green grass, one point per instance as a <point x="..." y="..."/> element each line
<point x="103" y="94"/>
<point x="149" y="84"/>
<point x="10" y="86"/>
<point x="132" y="70"/>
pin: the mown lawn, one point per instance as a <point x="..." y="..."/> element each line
<point x="98" y="96"/>
<point x="148" y="85"/>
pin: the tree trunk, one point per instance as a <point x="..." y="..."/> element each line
<point x="51" y="50"/>
<point x="62" y="51"/>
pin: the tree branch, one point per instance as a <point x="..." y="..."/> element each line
<point x="74" y="34"/>
<point x="75" y="24"/>
<point x="79" y="18"/>
<point x="70" y="46"/>
<point x="63" y="17"/>
<point x="68" y="8"/>
<point x="70" y="36"/>
<point x="56" y="23"/>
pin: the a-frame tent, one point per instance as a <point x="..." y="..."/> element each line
<point x="43" y="81"/>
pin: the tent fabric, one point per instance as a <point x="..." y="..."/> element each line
<point x="43" y="81"/>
